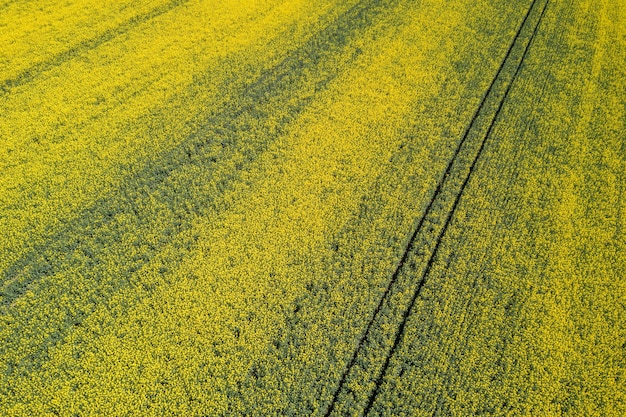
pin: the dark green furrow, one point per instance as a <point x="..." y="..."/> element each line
<point x="164" y="197"/>
<point x="34" y="71"/>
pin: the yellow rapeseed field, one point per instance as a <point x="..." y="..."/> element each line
<point x="312" y="207"/>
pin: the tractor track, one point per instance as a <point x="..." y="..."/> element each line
<point x="426" y="237"/>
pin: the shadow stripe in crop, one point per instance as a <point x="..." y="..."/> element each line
<point x="286" y="80"/>
<point x="234" y="138"/>
<point x="29" y="74"/>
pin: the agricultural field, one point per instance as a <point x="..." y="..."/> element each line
<point x="313" y="208"/>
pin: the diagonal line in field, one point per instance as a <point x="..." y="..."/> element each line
<point x="32" y="72"/>
<point x="276" y="82"/>
<point x="446" y="182"/>
<point x="219" y="139"/>
<point x="420" y="284"/>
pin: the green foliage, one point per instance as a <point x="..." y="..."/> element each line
<point x="203" y="203"/>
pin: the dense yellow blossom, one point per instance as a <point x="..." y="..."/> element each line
<point x="202" y="203"/>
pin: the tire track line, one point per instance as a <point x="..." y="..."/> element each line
<point x="433" y="205"/>
<point x="515" y="301"/>
<point x="431" y="260"/>
<point x="29" y="74"/>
